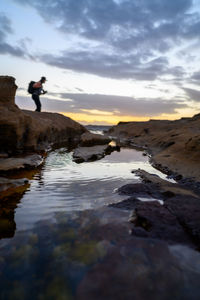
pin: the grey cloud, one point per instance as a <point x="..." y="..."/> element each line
<point x="97" y="19"/>
<point x="128" y="34"/>
<point x="196" y="76"/>
<point x="193" y="94"/>
<point x="5" y="48"/>
<point x="121" y="105"/>
<point x="113" y="65"/>
<point x="118" y="105"/>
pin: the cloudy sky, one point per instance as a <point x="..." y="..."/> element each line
<point x="105" y="61"/>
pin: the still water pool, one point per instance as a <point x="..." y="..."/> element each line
<point x="68" y="244"/>
<point x="63" y="185"/>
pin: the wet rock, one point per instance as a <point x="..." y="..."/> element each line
<point x="16" y="163"/>
<point x="128" y="204"/>
<point x="140" y="190"/>
<point x="187" y="211"/>
<point x="82" y="154"/>
<point x="160" y="223"/>
<point x="166" y="188"/>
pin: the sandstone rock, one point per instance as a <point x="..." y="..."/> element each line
<point x="7" y="90"/>
<point x="174" y="145"/>
<point x="90" y="139"/>
<point x="22" y="131"/>
<point x="16" y="163"/>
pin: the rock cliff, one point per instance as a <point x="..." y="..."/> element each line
<point x="174" y="145"/>
<point x="24" y="131"/>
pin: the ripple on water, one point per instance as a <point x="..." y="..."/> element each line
<point x="63" y="185"/>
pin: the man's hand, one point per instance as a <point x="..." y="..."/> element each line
<point x="44" y="92"/>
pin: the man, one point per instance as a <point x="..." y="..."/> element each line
<point x="38" y="90"/>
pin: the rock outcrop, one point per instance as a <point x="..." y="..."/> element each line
<point x="24" y="131"/>
<point x="162" y="210"/>
<point x="89" y="139"/>
<point x="174" y="145"/>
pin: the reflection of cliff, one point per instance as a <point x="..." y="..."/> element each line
<point x="7" y="212"/>
<point x="11" y="192"/>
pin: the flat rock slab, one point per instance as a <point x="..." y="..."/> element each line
<point x="160" y="223"/>
<point x="166" y="187"/>
<point x="82" y="154"/>
<point x="187" y="211"/>
<point x="16" y="163"/>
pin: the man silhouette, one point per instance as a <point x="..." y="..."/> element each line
<point x="38" y="90"/>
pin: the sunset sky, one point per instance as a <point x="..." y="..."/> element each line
<point x="105" y="60"/>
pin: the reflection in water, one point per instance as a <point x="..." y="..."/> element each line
<point x="8" y="204"/>
<point x="69" y="245"/>
<point x="90" y="255"/>
<point x="63" y="185"/>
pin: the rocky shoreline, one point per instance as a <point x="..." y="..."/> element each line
<point x="170" y="210"/>
<point x="160" y="209"/>
<point x="173" y="146"/>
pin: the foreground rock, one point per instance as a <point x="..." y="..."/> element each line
<point x="162" y="210"/>
<point x="174" y="145"/>
<point x="91" y="255"/>
<point x="24" y="131"/>
<point x="93" y="147"/>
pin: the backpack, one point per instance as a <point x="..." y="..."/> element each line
<point x="30" y="87"/>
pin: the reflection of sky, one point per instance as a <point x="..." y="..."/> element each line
<point x="66" y="186"/>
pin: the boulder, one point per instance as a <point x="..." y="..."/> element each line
<point x="82" y="154"/>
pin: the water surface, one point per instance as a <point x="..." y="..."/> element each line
<point x="67" y="244"/>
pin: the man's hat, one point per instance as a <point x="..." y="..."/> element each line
<point x="43" y="78"/>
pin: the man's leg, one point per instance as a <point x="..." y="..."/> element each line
<point x="36" y="99"/>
